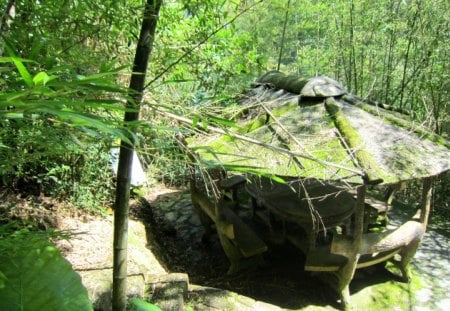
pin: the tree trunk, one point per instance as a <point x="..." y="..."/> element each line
<point x="412" y="28"/>
<point x="121" y="208"/>
<point x="283" y="34"/>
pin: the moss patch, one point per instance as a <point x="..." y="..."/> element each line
<point x="365" y="160"/>
<point x="388" y="294"/>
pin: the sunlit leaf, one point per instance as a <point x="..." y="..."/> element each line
<point x="195" y="120"/>
<point x="42" y="78"/>
<point x="26" y="76"/>
<point x="222" y="121"/>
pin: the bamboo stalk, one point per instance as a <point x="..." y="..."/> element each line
<point x="283" y="34"/>
<point x="121" y="206"/>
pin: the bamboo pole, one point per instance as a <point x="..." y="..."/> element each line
<point x="121" y="207"/>
<point x="283" y="34"/>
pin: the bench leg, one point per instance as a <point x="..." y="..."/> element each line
<point x="345" y="276"/>
<point x="407" y="253"/>
<point x="232" y="252"/>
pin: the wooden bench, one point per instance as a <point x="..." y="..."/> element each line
<point x="238" y="240"/>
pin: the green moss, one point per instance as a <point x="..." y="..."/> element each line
<point x="261" y="120"/>
<point x="385" y="293"/>
<point x="253" y="125"/>
<point x="291" y="83"/>
<point x="365" y="160"/>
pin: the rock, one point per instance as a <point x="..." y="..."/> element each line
<point x="169" y="291"/>
<point x="99" y="286"/>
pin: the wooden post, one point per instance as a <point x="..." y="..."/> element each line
<point x="359" y="216"/>
<point x="345" y="274"/>
<point x="426" y="201"/>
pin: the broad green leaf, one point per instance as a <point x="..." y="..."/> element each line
<point x="35" y="276"/>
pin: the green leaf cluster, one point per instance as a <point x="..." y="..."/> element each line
<point x="61" y="125"/>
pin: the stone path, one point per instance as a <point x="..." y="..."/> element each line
<point x="90" y="252"/>
<point x="432" y="263"/>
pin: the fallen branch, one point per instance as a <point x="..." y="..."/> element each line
<point x="256" y="142"/>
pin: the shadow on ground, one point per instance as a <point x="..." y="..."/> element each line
<point x="174" y="234"/>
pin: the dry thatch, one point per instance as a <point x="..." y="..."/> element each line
<point x="328" y="138"/>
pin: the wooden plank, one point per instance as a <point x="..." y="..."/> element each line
<point x="232" y="182"/>
<point x="203" y="202"/>
<point x="244" y="237"/>
<point x="388" y="240"/>
<point x="320" y="259"/>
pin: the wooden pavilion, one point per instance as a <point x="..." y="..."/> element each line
<point x="305" y="152"/>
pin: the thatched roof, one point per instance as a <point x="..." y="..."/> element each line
<point x="329" y="138"/>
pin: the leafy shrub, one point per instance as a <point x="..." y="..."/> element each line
<point x="55" y="129"/>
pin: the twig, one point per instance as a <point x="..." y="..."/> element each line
<point x="256" y="142"/>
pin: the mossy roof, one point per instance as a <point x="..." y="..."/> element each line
<point x="342" y="138"/>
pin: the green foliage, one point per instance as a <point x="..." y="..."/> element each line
<point x="62" y="125"/>
<point x="142" y="305"/>
<point x="46" y="33"/>
<point x="34" y="275"/>
<point x="215" y="67"/>
<point x="393" y="52"/>
<point x="163" y="154"/>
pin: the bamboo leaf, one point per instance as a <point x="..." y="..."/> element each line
<point x="26" y="76"/>
<point x="222" y="121"/>
<point x="195" y="120"/>
<point x="42" y="78"/>
<point x="10" y="60"/>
